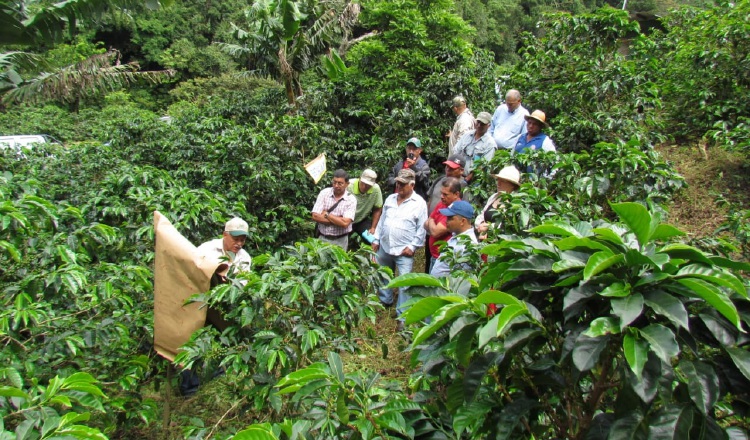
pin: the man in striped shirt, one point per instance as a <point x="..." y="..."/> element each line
<point x="334" y="211"/>
<point x="399" y="234"/>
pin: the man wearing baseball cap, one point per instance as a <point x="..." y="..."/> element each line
<point x="369" y="203"/>
<point x="464" y="122"/>
<point x="477" y="143"/>
<point x="399" y="234"/>
<point x="415" y="162"/>
<point x="459" y="215"/>
<point x="228" y="248"/>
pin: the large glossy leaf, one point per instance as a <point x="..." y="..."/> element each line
<point x="741" y="359"/>
<point x="599" y="262"/>
<point x="662" y="340"/>
<point x="587" y="350"/>
<point x="664" y="231"/>
<point x="476" y="373"/>
<point x="570" y="243"/>
<point x="719" y="327"/>
<point x="570" y="260"/>
<point x="636" y="353"/>
<point x="627" y="428"/>
<point x="702" y="383"/>
<point x="414" y="279"/>
<point x="497" y="297"/>
<point x="535" y="263"/>
<point x="445" y="315"/>
<point x="608" y="235"/>
<point x="628" y="309"/>
<point x="730" y="264"/>
<point x="713" y="296"/>
<point x="672" y="422"/>
<point x="556" y="228"/>
<point x="686" y="252"/>
<point x="618" y="290"/>
<point x="511" y="416"/>
<point x="337" y="366"/>
<point x="668" y="306"/>
<point x="427" y="307"/>
<point x="637" y="219"/>
<point x="602" y="326"/>
<point x="255" y="432"/>
<point x="714" y="276"/>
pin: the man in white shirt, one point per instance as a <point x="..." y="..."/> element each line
<point x="399" y="234"/>
<point x="464" y="122"/>
<point x="334" y="211"/>
<point x="229" y="247"/>
<point x="508" y="123"/>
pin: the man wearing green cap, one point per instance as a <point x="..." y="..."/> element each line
<point x="229" y="246"/>
<point x="416" y="163"/>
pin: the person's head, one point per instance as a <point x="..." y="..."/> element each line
<point x="513" y="100"/>
<point x="405" y="183"/>
<point x="367" y="180"/>
<point x="535" y="122"/>
<point x="235" y="234"/>
<point x="459" y="215"/>
<point x="340" y="182"/>
<point x="482" y="123"/>
<point x="508" y="179"/>
<point x="450" y="191"/>
<point x="413" y="148"/>
<point x="458" y="105"/>
<point x="454" y="166"/>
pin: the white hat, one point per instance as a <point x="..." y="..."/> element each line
<point x="509" y="174"/>
<point x="236" y="227"/>
<point x="368" y="177"/>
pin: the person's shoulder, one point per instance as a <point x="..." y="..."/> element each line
<point x="524" y="111"/>
<point x="210" y="244"/>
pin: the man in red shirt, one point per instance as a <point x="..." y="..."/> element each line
<point x="436" y="225"/>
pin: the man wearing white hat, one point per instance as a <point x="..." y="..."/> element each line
<point x="369" y="204"/>
<point x="229" y="246"/>
<point x="464" y="122"/>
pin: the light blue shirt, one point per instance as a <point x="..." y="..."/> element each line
<point x="507" y="127"/>
<point x="474" y="149"/>
<point x="402" y="226"/>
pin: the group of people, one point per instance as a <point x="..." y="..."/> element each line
<point x="418" y="211"/>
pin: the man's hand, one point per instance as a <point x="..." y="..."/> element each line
<point x="407" y="252"/>
<point x="375" y="246"/>
<point x="410" y="162"/>
<point x="371" y="230"/>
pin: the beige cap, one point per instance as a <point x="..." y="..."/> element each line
<point x="236" y="227"/>
<point x="539" y="116"/>
<point x="406" y="175"/>
<point x="368" y="177"/>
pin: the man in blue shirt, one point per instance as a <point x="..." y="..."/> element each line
<point x="508" y="123"/>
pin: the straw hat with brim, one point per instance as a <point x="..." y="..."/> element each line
<point x="509" y="174"/>
<point x="538" y="116"/>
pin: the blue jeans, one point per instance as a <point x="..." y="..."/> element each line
<point x="404" y="265"/>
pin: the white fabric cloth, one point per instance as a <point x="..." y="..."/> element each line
<point x="464" y="122"/>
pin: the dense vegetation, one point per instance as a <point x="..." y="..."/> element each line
<point x="610" y="322"/>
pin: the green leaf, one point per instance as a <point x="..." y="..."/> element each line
<point x="497" y="297"/>
<point x="637" y="219"/>
<point x="668" y="306"/>
<point x="672" y="422"/>
<point x="702" y="383"/>
<point x="488" y="331"/>
<point x="342" y="411"/>
<point x="608" y="235"/>
<point x="730" y="264"/>
<point x="571" y="243"/>
<point x="427" y="307"/>
<point x="664" y="231"/>
<point x="602" y="326"/>
<point x="600" y="262"/>
<point x="685" y="252"/>
<point x="445" y="315"/>
<point x="712" y="295"/>
<point x="587" y="350"/>
<point x="714" y="276"/>
<point x="662" y="340"/>
<point x="618" y="290"/>
<point x="636" y="353"/>
<point x="414" y="279"/>
<point x="741" y="359"/>
<point x="555" y="228"/>
<point x="255" y="432"/>
<point x="628" y="309"/>
<point x="506" y="315"/>
<point x="337" y="366"/>
<point x="13" y="392"/>
<point x="627" y="428"/>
